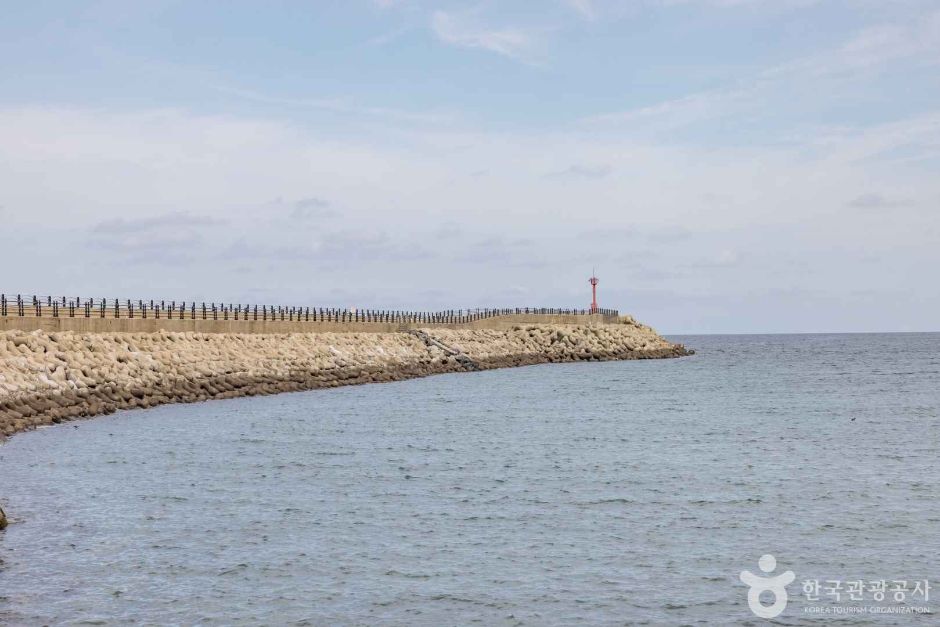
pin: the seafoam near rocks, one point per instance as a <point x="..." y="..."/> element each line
<point x="50" y="377"/>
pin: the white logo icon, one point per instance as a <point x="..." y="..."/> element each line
<point x="758" y="584"/>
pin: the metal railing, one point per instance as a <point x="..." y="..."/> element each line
<point x="77" y="307"/>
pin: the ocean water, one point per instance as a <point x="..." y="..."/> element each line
<point x="588" y="493"/>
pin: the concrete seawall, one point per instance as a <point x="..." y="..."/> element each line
<point x="93" y="324"/>
<point x="52" y="376"/>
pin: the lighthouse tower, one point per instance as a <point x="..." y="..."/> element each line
<point x="593" y="282"/>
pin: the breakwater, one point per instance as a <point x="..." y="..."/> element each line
<point x="50" y="377"/>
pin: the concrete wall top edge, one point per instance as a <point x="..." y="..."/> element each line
<point x="136" y="325"/>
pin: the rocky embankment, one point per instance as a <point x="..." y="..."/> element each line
<point x="52" y="377"/>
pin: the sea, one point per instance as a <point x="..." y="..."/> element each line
<point x="603" y="493"/>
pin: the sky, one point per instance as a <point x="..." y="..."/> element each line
<point x="726" y="166"/>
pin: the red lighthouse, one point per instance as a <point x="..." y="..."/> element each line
<point x="593" y="282"/>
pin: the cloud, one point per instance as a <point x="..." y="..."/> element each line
<point x="873" y="48"/>
<point x="169" y="221"/>
<point x="517" y="252"/>
<point x="728" y="4"/>
<point x="653" y="234"/>
<point x="342" y="106"/>
<point x="582" y="172"/>
<point x="710" y="260"/>
<point x="370" y="246"/>
<point x="448" y="231"/>
<point x="584" y="7"/>
<point x="913" y="41"/>
<point x="726" y="258"/>
<point x="913" y="139"/>
<point x="388" y="37"/>
<point x="875" y="200"/>
<point x="671" y="233"/>
<point x="676" y="112"/>
<point x="463" y="32"/>
<point x="336" y="248"/>
<point x="68" y="168"/>
<point x="596" y="9"/>
<point x="311" y="208"/>
<point x="164" y="246"/>
<point x="172" y="238"/>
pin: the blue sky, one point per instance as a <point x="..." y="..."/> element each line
<point x="726" y="165"/>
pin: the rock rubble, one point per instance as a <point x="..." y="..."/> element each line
<point x="53" y="377"/>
